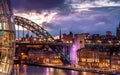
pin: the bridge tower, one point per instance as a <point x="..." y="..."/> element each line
<point x="6" y="37"/>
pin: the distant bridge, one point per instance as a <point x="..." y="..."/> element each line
<point x="43" y="38"/>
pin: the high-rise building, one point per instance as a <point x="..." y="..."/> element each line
<point x="118" y="31"/>
<point x="6" y="37"/>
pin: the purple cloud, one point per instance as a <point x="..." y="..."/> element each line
<point x="92" y="21"/>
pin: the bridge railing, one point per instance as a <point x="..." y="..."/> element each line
<point x="39" y="41"/>
<point x="31" y="40"/>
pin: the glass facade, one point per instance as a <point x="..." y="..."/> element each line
<point x="6" y="37"/>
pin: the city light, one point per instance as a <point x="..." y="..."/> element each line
<point x="73" y="54"/>
<point x="81" y="46"/>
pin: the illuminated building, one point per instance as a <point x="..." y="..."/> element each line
<point x="6" y="37"/>
<point x="44" y="57"/>
<point x="115" y="60"/>
<point x="101" y="51"/>
<point x="88" y="58"/>
<point x="77" y="44"/>
<point x="68" y="38"/>
<point x="79" y="39"/>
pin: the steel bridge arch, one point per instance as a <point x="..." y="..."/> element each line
<point x="33" y="27"/>
<point x="42" y="33"/>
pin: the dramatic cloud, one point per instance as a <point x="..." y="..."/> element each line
<point x="90" y="21"/>
<point x="37" y="5"/>
<point x="78" y="16"/>
<point x="39" y="18"/>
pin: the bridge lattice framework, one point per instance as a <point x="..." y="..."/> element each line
<point x="44" y="38"/>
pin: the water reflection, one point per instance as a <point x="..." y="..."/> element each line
<point x="33" y="70"/>
<point x="47" y="71"/>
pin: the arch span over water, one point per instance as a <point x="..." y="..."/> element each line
<point x="33" y="27"/>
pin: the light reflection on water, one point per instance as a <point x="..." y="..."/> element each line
<point x="34" y="70"/>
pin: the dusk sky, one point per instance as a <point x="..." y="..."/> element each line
<point x="78" y="16"/>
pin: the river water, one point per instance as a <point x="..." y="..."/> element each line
<point x="35" y="70"/>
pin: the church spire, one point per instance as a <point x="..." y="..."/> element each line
<point x="60" y="37"/>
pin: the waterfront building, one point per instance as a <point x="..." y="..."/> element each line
<point x="6" y="37"/>
<point x="88" y="58"/>
<point x="78" y="43"/>
<point x="79" y="39"/>
<point x="44" y="57"/>
<point x="101" y="51"/>
<point x="68" y="38"/>
<point x="115" y="60"/>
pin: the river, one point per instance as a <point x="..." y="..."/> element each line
<point x="36" y="70"/>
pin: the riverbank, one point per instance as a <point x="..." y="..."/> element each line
<point x="78" y="69"/>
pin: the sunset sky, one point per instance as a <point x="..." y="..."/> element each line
<point x="78" y="16"/>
